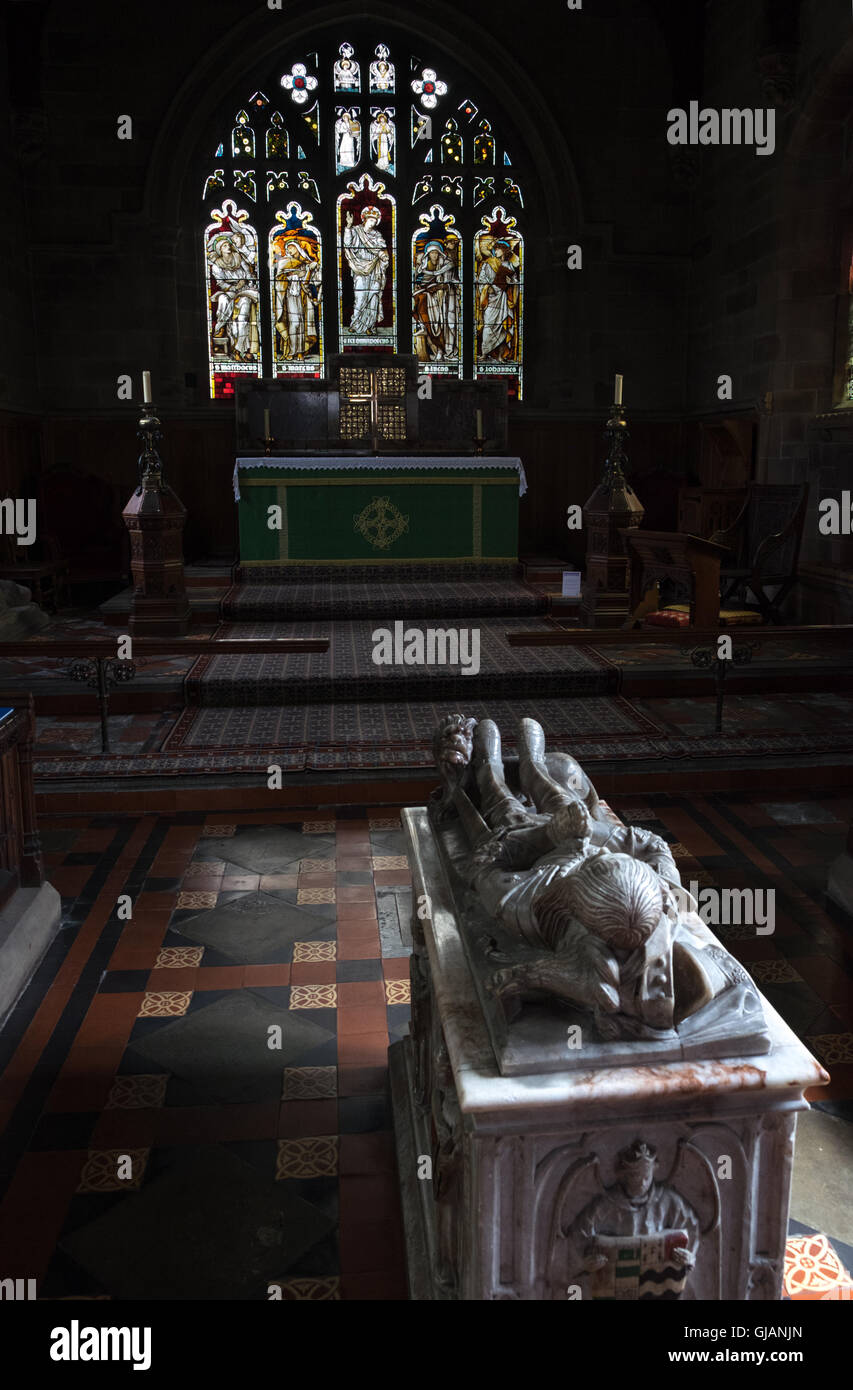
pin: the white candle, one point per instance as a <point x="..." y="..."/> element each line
<point x="266" y="424"/>
<point x="146" y="387"/>
<point x="479" y="424"/>
<point x="617" y="398"/>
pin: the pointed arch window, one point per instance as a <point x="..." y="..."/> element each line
<point x="359" y="209"/>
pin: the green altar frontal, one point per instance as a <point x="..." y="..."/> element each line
<point x="382" y="513"/>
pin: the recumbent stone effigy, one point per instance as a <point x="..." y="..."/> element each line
<point x="607" y="1103"/>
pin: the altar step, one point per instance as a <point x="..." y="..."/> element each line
<point x="347" y="672"/>
<point x="380" y="600"/>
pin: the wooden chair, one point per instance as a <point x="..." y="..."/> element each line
<point x="765" y="544"/>
<point x="45" y="576"/>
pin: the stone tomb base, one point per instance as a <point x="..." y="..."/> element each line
<point x="522" y="1175"/>
<point x="28" y="923"/>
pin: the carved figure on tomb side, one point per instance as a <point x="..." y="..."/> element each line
<point x="639" y="1238"/>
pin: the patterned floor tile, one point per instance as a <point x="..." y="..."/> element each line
<point x="774" y="972"/>
<point x="216" y="832"/>
<point x="813" y="1270"/>
<point x="832" y="1048"/>
<point x="177" y="957"/>
<point x="308" y="1289"/>
<point x="222" y="1050"/>
<point x="310" y="1083"/>
<point x="165" y="1003"/>
<point x="138" y="1092"/>
<point x="313" y="997"/>
<point x="398" y="992"/>
<point x="384" y="822"/>
<point x="315" y="895"/>
<point x="204" y="868"/>
<point x="307" y="1158"/>
<point x="318" y="827"/>
<point x="390" y="861"/>
<point x="257" y="928"/>
<point x="314" y="950"/>
<point x="315" y="866"/>
<point x="195" y="900"/>
<point x="211" y="1227"/>
<point x="103" y="1167"/>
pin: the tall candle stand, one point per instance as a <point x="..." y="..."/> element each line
<point x="155" y="519"/>
<point x="613" y="506"/>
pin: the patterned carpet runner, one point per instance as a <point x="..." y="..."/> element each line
<point x="347" y="671"/>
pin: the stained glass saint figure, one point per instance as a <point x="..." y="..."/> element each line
<point x="382" y="140"/>
<point x="436" y="298"/>
<point x="381" y="71"/>
<point x="347" y="73"/>
<point x="297" y="289"/>
<point x="347" y="139"/>
<point x="498" y="250"/>
<point x="367" y="257"/>
<point x="232" y="260"/>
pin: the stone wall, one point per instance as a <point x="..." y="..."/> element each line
<point x="696" y="262"/>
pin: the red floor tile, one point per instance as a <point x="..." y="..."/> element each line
<point x="363" y="1049"/>
<point x="362" y="1081"/>
<point x="257" y="975"/>
<point x="360" y="992"/>
<point x="321" y="972"/>
<point x="356" y="912"/>
<point x="220" y="976"/>
<point x="396" y="968"/>
<point x="355" y="893"/>
<point x="358" y="950"/>
<point x="361" y="1018"/>
<point x="302" y="1119"/>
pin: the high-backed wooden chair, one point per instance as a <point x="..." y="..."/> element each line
<point x="765" y="543"/>
<point x="45" y="575"/>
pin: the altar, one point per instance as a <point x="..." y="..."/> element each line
<point x="377" y="510"/>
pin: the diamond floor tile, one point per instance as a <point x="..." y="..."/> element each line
<point x="256" y="928"/>
<point x="211" y="1227"/>
<point x="222" y="1051"/>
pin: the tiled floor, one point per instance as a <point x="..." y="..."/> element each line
<point x="194" y="1101"/>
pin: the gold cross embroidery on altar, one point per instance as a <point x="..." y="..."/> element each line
<point x="373" y="403"/>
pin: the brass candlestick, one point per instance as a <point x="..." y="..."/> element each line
<point x="617" y="435"/>
<point x="149" y="434"/>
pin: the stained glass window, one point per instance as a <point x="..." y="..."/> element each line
<point x="243" y="137"/>
<point x="367" y="193"/>
<point x="451" y="144"/>
<point x="381" y="71"/>
<point x="231" y="276"/>
<point x="278" y="142"/>
<point x="383" y="139"/>
<point x="296" y="290"/>
<point x="498" y="295"/>
<point x="347" y="138"/>
<point x="437" y="293"/>
<point x="367" y="266"/>
<point x="484" y="145"/>
<point x="347" y="74"/>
